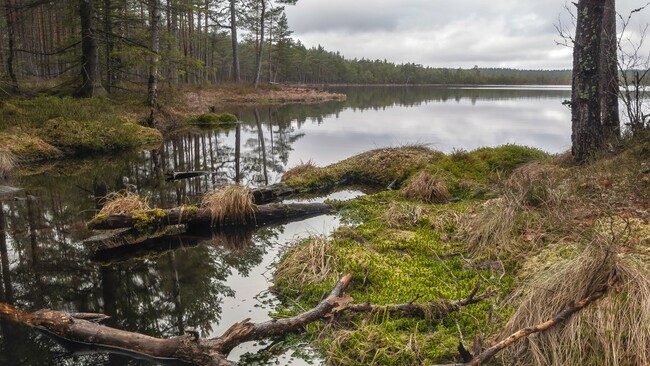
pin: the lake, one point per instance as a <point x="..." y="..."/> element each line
<point x="204" y="280"/>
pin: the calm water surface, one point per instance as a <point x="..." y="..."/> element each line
<point x="205" y="280"/>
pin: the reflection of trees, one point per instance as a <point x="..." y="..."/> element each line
<point x="44" y="264"/>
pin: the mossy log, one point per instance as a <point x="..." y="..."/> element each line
<point x="83" y="331"/>
<point x="273" y="192"/>
<point x="199" y="216"/>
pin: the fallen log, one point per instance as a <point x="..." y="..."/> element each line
<point x="155" y="246"/>
<point x="83" y="330"/>
<point x="200" y="216"/>
<point x="273" y="192"/>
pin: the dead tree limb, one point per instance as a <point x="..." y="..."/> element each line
<point x="563" y="315"/>
<point x="82" y="329"/>
<point x="199" y="216"/>
<point x="431" y="310"/>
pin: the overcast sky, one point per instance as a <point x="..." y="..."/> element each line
<point x="443" y="33"/>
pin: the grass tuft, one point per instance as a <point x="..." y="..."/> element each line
<point x="8" y="162"/>
<point x="427" y="188"/>
<point x="232" y="202"/>
<point x="612" y="331"/>
<point x="298" y="170"/>
<point x="310" y="261"/>
<point x="123" y="203"/>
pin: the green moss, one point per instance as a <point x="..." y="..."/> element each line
<point x="392" y="266"/>
<point x="148" y="220"/>
<point x="376" y="168"/>
<point x="214" y="118"/>
<point x="76" y="137"/>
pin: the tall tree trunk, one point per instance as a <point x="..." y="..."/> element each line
<point x="10" y="14"/>
<point x="91" y="85"/>
<point x="585" y="98"/>
<point x="236" y="75"/>
<point x="609" y="85"/>
<point x="152" y="86"/>
<point x="258" y="58"/>
<point x="108" y="39"/>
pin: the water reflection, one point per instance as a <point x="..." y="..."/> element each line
<point x="206" y="280"/>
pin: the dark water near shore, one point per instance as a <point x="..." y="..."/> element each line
<point x="208" y="281"/>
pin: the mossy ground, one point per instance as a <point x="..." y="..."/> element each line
<point x="402" y="249"/>
<point x="46" y="127"/>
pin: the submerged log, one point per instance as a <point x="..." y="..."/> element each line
<point x="184" y="175"/>
<point x="199" y="216"/>
<point x="83" y="330"/>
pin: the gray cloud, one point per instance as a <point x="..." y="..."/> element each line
<point x="461" y="33"/>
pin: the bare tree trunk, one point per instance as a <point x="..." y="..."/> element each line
<point x="258" y="58"/>
<point x="152" y="86"/>
<point x="585" y="99"/>
<point x="609" y="85"/>
<point x="236" y="74"/>
<point x="108" y="38"/>
<point x="11" y="24"/>
<point x="91" y="85"/>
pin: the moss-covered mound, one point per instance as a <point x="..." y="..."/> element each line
<point x="28" y="148"/>
<point x="376" y="167"/>
<point x="75" y="137"/>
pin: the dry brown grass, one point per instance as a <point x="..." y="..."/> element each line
<point x="232" y="202"/>
<point x="298" y="170"/>
<point x="123" y="203"/>
<point x="611" y="331"/>
<point x="311" y="261"/>
<point x="8" y="163"/>
<point x="427" y="188"/>
<point x="532" y="204"/>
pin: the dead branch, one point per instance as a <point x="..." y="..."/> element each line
<point x="431" y="310"/>
<point x="565" y="314"/>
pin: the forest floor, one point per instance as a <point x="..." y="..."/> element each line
<point x="43" y="127"/>
<point x="534" y="230"/>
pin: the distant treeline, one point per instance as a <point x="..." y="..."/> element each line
<point x="40" y="46"/>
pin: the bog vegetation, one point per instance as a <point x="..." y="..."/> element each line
<point x="520" y="223"/>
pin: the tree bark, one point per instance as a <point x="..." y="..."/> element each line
<point x="91" y="85"/>
<point x="198" y="216"/>
<point x="585" y="98"/>
<point x="609" y="83"/>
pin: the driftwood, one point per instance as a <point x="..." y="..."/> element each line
<point x="83" y="329"/>
<point x="199" y="216"/>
